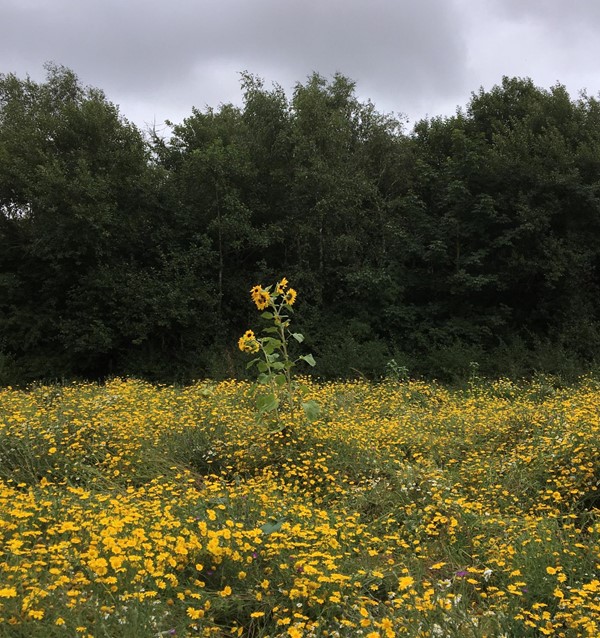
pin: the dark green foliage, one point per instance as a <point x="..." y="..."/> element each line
<point x="475" y="238"/>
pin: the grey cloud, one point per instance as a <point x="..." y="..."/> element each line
<point x="399" y="52"/>
<point x="557" y="16"/>
<point x="160" y="58"/>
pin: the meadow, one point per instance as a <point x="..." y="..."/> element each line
<point x="130" y="510"/>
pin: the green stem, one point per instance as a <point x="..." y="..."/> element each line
<point x="286" y="358"/>
<point x="271" y="382"/>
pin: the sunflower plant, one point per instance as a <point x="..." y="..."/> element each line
<point x="275" y="389"/>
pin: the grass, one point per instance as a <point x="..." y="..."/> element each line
<point x="129" y="510"/>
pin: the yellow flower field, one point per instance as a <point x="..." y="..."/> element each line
<point x="406" y="509"/>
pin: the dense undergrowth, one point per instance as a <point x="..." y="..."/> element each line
<point x="407" y="509"/>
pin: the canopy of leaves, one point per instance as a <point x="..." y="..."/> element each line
<point x="471" y="238"/>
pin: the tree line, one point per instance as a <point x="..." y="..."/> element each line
<point x="471" y="240"/>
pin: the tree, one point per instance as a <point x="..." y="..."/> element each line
<point x="71" y="170"/>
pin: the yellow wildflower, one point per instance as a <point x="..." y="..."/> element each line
<point x="195" y="614"/>
<point x="37" y="614"/>
<point x="405" y="582"/>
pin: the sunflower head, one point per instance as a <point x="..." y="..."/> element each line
<point x="290" y="297"/>
<point x="248" y="343"/>
<point x="281" y="286"/>
<point x="261" y="297"/>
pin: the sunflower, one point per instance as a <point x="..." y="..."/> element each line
<point x="248" y="343"/>
<point x="256" y="292"/>
<point x="290" y="297"/>
<point x="281" y="286"/>
<point x="261" y="297"/>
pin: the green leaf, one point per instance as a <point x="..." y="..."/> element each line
<point x="267" y="403"/>
<point x="309" y="359"/>
<point x="251" y="363"/>
<point x="273" y="357"/>
<point x="270" y="330"/>
<point x="263" y="379"/>
<point x="298" y="337"/>
<point x="278" y="365"/>
<point x="262" y="366"/>
<point x="280" y="379"/>
<point x="278" y="428"/>
<point x="218" y="500"/>
<point x="269" y="528"/>
<point x="312" y="410"/>
<point x="267" y="315"/>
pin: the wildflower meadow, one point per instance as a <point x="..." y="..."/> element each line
<point x="293" y="508"/>
<point x="405" y="509"/>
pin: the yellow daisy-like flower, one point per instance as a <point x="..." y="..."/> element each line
<point x="290" y="297"/>
<point x="405" y="582"/>
<point x="36" y="614"/>
<point x="194" y="614"/>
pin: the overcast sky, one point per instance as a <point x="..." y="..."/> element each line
<point x="157" y="59"/>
